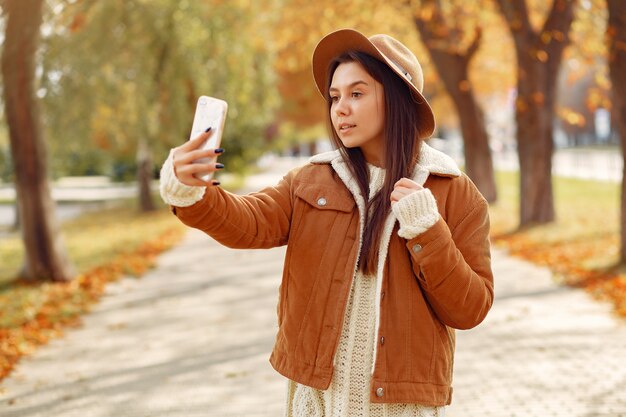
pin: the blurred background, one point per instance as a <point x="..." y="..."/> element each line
<point x="528" y="96"/>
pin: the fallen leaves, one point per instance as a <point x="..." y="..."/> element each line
<point x="582" y="246"/>
<point x="61" y="304"/>
<point x="587" y="263"/>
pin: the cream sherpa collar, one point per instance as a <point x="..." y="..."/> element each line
<point x="431" y="160"/>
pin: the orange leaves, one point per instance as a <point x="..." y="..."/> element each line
<point x="620" y="45"/>
<point x="516" y="24"/>
<point x="558" y="35"/>
<point x="522" y="103"/>
<point x="581" y="248"/>
<point x="609" y="287"/>
<point x="77" y="22"/>
<point x="64" y="302"/>
<point x="541" y="55"/>
<point x="571" y="117"/>
<point x="426" y="12"/>
<point x="538" y="97"/>
<point x="547" y="36"/>
<point x="581" y="262"/>
<point x="464" y="86"/>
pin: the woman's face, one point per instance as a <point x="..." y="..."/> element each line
<point x="357" y="110"/>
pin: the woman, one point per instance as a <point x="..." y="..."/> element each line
<point x="387" y="241"/>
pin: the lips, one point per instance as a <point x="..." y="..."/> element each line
<point x="345" y="126"/>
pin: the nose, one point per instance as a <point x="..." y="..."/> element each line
<point x="341" y="107"/>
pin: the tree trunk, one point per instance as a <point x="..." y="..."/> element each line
<point x="144" y="176"/>
<point x="539" y="56"/>
<point x="616" y="35"/>
<point x="45" y="256"/>
<point x="452" y="67"/>
<point x="16" y="220"/>
<point x="478" y="161"/>
<point x="534" y="118"/>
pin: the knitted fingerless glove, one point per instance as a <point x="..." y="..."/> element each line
<point x="416" y="212"/>
<point x="174" y="192"/>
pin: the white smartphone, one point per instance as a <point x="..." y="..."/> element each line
<point x="210" y="112"/>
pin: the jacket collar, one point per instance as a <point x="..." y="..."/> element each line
<point x="431" y="161"/>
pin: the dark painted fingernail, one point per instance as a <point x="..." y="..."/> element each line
<point x="219" y="166"/>
<point x="219" y="150"/>
<point x="208" y="129"/>
<point x="216" y="183"/>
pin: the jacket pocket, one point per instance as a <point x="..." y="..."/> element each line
<point x="326" y="198"/>
<point x="315" y="211"/>
<point x="443" y="358"/>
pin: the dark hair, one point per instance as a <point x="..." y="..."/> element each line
<point x="401" y="150"/>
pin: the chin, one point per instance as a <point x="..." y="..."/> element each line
<point x="350" y="144"/>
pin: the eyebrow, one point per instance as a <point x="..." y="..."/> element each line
<point x="349" y="86"/>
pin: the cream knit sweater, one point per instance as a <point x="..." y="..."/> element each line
<point x="348" y="394"/>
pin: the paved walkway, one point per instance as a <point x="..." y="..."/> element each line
<point x="193" y="337"/>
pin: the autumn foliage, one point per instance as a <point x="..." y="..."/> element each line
<point x="66" y="301"/>
<point x="568" y="261"/>
<point x="581" y="248"/>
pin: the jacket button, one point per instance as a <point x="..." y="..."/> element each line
<point x="380" y="392"/>
<point x="417" y="248"/>
<point x="321" y="201"/>
<point x="382" y="340"/>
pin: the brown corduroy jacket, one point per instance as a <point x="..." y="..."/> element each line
<point x="428" y="286"/>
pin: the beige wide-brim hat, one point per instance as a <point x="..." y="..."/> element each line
<point x="384" y="48"/>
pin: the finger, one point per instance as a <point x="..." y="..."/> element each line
<point x="197" y="154"/>
<point x="395" y="196"/>
<point x="191" y="169"/>
<point x="204" y="153"/>
<point x="401" y="181"/>
<point x="195" y="182"/>
<point x="401" y="192"/>
<point x="208" y="183"/>
<point x="196" y="142"/>
<point x="407" y="183"/>
<point x="195" y="179"/>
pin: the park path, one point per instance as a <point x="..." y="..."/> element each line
<point x="193" y="337"/>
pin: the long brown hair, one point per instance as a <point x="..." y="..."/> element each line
<point x="401" y="149"/>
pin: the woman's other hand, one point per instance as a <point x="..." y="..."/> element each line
<point x="402" y="188"/>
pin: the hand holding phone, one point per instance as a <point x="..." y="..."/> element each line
<point x="195" y="161"/>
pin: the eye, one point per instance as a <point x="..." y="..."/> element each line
<point x="356" y="94"/>
<point x="334" y="99"/>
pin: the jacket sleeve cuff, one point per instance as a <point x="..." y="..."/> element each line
<point x="416" y="212"/>
<point x="174" y="192"/>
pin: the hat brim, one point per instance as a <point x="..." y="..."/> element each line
<point x="343" y="40"/>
